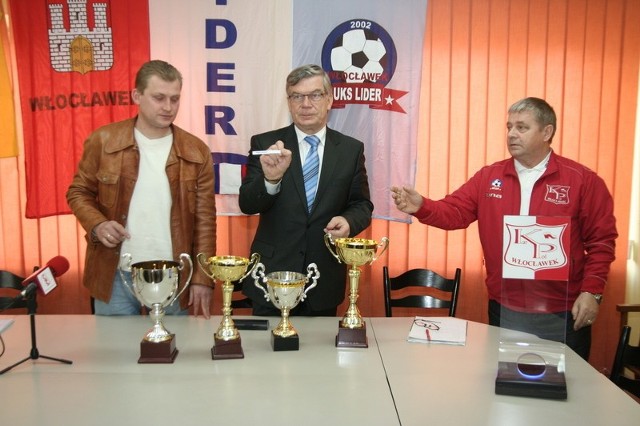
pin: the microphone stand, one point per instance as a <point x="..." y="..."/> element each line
<point x="34" y="354"/>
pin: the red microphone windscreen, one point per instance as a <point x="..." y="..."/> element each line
<point x="59" y="265"/>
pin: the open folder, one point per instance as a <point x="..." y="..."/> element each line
<point x="442" y="330"/>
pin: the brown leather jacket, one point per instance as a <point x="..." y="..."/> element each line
<point x="102" y="187"/>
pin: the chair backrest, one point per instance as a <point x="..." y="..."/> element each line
<point x="13" y="283"/>
<point x="627" y="358"/>
<point x="445" y="298"/>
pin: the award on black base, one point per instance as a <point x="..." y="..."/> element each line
<point x="285" y="289"/>
<point x="531" y="376"/>
<point x="534" y="307"/>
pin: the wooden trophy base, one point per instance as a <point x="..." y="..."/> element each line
<point x="227" y="349"/>
<point x="158" y="353"/>
<point x="352" y="337"/>
<point x="291" y="343"/>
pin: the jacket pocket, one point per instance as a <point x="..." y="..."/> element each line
<point x="107" y="188"/>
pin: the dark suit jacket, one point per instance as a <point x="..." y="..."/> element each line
<point x="288" y="238"/>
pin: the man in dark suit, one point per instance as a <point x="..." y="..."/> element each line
<point x="294" y="219"/>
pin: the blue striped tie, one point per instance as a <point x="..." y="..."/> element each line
<point x="310" y="170"/>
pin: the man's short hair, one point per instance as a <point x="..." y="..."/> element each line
<point x="162" y="69"/>
<point x="542" y="111"/>
<point x="307" y="71"/>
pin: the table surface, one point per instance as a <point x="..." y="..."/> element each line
<point x="392" y="382"/>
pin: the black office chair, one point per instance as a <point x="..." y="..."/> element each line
<point x="11" y="282"/>
<point x="445" y="295"/>
<point x="627" y="358"/>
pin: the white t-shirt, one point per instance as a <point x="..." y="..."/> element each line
<point x="148" y="221"/>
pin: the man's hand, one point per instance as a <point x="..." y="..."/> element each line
<point x="274" y="165"/>
<point x="110" y="233"/>
<point x="407" y="200"/>
<point x="584" y="311"/>
<point x="338" y="227"/>
<point x="200" y="298"/>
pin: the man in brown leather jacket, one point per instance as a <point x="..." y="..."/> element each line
<point x="145" y="187"/>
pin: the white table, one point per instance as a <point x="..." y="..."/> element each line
<point x="316" y="385"/>
<point x="390" y="383"/>
<point x="454" y="385"/>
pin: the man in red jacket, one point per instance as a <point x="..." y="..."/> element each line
<point x="537" y="182"/>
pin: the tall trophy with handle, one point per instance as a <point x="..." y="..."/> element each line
<point x="227" y="341"/>
<point x="354" y="252"/>
<point x="285" y="289"/>
<point x="155" y="284"/>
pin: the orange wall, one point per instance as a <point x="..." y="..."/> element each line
<point x="479" y="57"/>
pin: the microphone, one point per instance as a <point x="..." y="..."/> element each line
<point x="44" y="278"/>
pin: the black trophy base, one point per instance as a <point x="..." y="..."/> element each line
<point x="291" y="343"/>
<point x="352" y="337"/>
<point x="227" y="349"/>
<point x="158" y="353"/>
<point x="550" y="384"/>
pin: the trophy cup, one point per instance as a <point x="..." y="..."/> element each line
<point x="227" y="341"/>
<point x="285" y="290"/>
<point x="155" y="284"/>
<point x="355" y="252"/>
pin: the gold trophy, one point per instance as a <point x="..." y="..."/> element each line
<point x="155" y="284"/>
<point x="285" y="290"/>
<point x="355" y="252"/>
<point x="227" y="341"/>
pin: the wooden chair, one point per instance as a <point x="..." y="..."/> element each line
<point x="625" y="309"/>
<point x="443" y="292"/>
<point x="626" y="365"/>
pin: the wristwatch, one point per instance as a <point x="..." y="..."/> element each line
<point x="596" y="296"/>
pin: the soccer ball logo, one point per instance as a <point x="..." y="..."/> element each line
<point x="360" y="55"/>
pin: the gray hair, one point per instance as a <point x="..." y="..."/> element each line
<point x="308" y="71"/>
<point x="542" y="111"/>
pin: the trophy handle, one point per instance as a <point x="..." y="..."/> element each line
<point x="328" y="241"/>
<point x="184" y="256"/>
<point x="128" y="285"/>
<point x="253" y="262"/>
<point x="313" y="274"/>
<point x="384" y="243"/>
<point x="257" y="273"/>
<point x="203" y="263"/>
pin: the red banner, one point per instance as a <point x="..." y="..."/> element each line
<point x="77" y="62"/>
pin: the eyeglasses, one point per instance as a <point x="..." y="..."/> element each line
<point x="428" y="324"/>
<point x="298" y="98"/>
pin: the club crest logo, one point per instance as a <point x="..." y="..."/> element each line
<point x="79" y="48"/>
<point x="557" y="194"/>
<point x="535" y="247"/>
<point x="360" y="57"/>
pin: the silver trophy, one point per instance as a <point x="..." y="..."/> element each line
<point x="155" y="283"/>
<point x="285" y="289"/>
